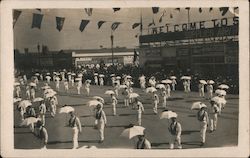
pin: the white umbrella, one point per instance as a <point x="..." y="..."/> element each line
<point x="48" y="73"/>
<point x="17" y="100"/>
<point x="129" y="76"/>
<point x="73" y="74"/>
<point x="88" y="81"/>
<point x="112" y="75"/>
<point x="46" y="87"/>
<point x="16" y="84"/>
<point x="118" y="77"/>
<point x="223" y="86"/>
<point x="160" y="86"/>
<point x="29" y="120"/>
<point x="220" y="92"/>
<point x="185" y="78"/>
<point x="94" y="103"/>
<point x="49" y="90"/>
<point x="197" y="105"/>
<point x="48" y="77"/>
<point x="123" y="86"/>
<point x="78" y="79"/>
<point x="66" y="109"/>
<point x="203" y="82"/>
<point x="37" y="99"/>
<point x="80" y="75"/>
<point x="101" y="75"/>
<point x="133" y="131"/>
<point x="37" y="74"/>
<point x="96" y="74"/>
<point x="51" y="94"/>
<point x="172" y="77"/>
<point x="32" y="84"/>
<point x="57" y="79"/>
<point x="109" y="92"/>
<point x="69" y="73"/>
<point x="167" y="81"/>
<point x="133" y="95"/>
<point x="150" y="90"/>
<point x="219" y="100"/>
<point x="210" y="82"/>
<point x="100" y="99"/>
<point x="24" y="104"/>
<point x="168" y="115"/>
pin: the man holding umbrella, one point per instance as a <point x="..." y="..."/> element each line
<point x="175" y="133"/>
<point x="143" y="143"/>
<point x="100" y="122"/>
<point x="75" y="124"/>
<point x="202" y="116"/>
<point x="140" y="110"/>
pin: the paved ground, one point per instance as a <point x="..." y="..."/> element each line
<point x="156" y="129"/>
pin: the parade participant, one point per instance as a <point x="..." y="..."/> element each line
<point x="41" y="77"/>
<point x="72" y="81"/>
<point x="25" y="78"/>
<point x="142" y="81"/>
<point x="214" y="110"/>
<point x="101" y="81"/>
<point x="66" y="85"/>
<point x="32" y="92"/>
<point x="173" y="84"/>
<point x="36" y="80"/>
<point x="114" y="103"/>
<point x="185" y="86"/>
<point x="168" y="90"/>
<point x="27" y="92"/>
<point x="42" y="134"/>
<point x="143" y="143"/>
<point x="113" y="80"/>
<point x="201" y="90"/>
<point x="57" y="80"/>
<point x="202" y="116"/>
<point x="18" y="90"/>
<point x="30" y="112"/>
<point x="164" y="96"/>
<point x="116" y="89"/>
<point x="210" y="90"/>
<point x="75" y="124"/>
<point x="126" y="97"/>
<point x="48" y="79"/>
<point x="155" y="102"/>
<point x="79" y="85"/>
<point x="42" y="111"/>
<point x="175" y="133"/>
<point x="100" y="122"/>
<point x="118" y="81"/>
<point x="87" y="86"/>
<point x="96" y="79"/>
<point x="140" y="110"/>
<point x="188" y="86"/>
<point x="53" y="103"/>
<point x="152" y="81"/>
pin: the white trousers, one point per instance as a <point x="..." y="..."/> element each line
<point x="78" y="90"/>
<point x="201" y="92"/>
<point x="213" y="121"/>
<point x="155" y="106"/>
<point x="100" y="126"/>
<point x="173" y="139"/>
<point x="139" y="118"/>
<point x="88" y="90"/>
<point x="75" y="137"/>
<point x="114" y="108"/>
<point x="203" y="127"/>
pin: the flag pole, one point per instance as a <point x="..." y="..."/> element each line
<point x="112" y="43"/>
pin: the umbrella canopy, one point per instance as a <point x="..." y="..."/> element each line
<point x="101" y="75"/>
<point x="48" y="77"/>
<point x="168" y="115"/>
<point x="38" y="99"/>
<point x="78" y="79"/>
<point x="167" y="81"/>
<point x="185" y="78"/>
<point x="48" y="73"/>
<point x="17" y="100"/>
<point x="16" y="84"/>
<point x="57" y="79"/>
<point x="66" y="109"/>
<point x="150" y="90"/>
<point x="95" y="74"/>
<point x="80" y="75"/>
<point x="69" y="73"/>
<point x="220" y="92"/>
<point x="32" y="84"/>
<point x="118" y="77"/>
<point x="37" y="74"/>
<point x="109" y="92"/>
<point x="203" y="82"/>
<point x="160" y="86"/>
<point x="133" y="131"/>
<point x="129" y="76"/>
<point x="94" y="103"/>
<point x="29" y="120"/>
<point x="197" y="105"/>
<point x="172" y="77"/>
<point x="48" y="90"/>
<point x="123" y="86"/>
<point x="223" y="86"/>
<point x="24" y="104"/>
<point x="133" y="95"/>
<point x="112" y="75"/>
<point x="46" y="87"/>
<point x="100" y="99"/>
<point x="219" y="100"/>
<point x="51" y="94"/>
<point x="73" y="74"/>
<point x="210" y="82"/>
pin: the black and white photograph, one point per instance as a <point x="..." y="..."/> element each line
<point x="123" y="77"/>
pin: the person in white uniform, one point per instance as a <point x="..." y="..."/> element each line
<point x="155" y="102"/>
<point x="142" y="82"/>
<point x="164" y="96"/>
<point x="140" y="110"/>
<point x="27" y="92"/>
<point x="214" y="110"/>
<point x="66" y="86"/>
<point x="79" y="85"/>
<point x="203" y="119"/>
<point x="18" y="91"/>
<point x="143" y="143"/>
<point x="42" y="111"/>
<point x="100" y="122"/>
<point x="114" y="103"/>
<point x="173" y="84"/>
<point x="96" y="79"/>
<point x="42" y="134"/>
<point x="201" y="90"/>
<point x="32" y="92"/>
<point x="75" y="124"/>
<point x="175" y="133"/>
<point x="210" y="91"/>
<point x="101" y="81"/>
<point x="87" y="87"/>
<point x="168" y="88"/>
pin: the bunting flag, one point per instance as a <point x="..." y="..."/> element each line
<point x="178" y="9"/>
<point x="200" y="10"/>
<point x="115" y="25"/>
<point x="83" y="24"/>
<point x="223" y="10"/>
<point x="210" y="9"/>
<point x="37" y="20"/>
<point x="59" y="23"/>
<point x="116" y="9"/>
<point x="135" y="25"/>
<point x="152" y="23"/>
<point x="88" y="11"/>
<point x="99" y="24"/>
<point x="163" y="14"/>
<point x="16" y="14"/>
<point x="155" y="10"/>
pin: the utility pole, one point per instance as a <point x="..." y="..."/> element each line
<point x="112" y="47"/>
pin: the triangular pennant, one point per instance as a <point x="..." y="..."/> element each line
<point x="59" y="23"/>
<point x="178" y="9"/>
<point x="210" y="9"/>
<point x="37" y="20"/>
<point x="99" y="24"/>
<point x="116" y="9"/>
<point x="200" y="10"/>
<point x="223" y="10"/>
<point x="135" y="25"/>
<point x="115" y="25"/>
<point x="16" y="14"/>
<point x="88" y="11"/>
<point x="163" y="14"/>
<point x="155" y="10"/>
<point x="83" y="24"/>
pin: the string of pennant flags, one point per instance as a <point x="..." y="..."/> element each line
<point x="37" y="18"/>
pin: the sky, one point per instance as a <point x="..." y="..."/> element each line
<point x="70" y="36"/>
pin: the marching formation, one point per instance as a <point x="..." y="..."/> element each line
<point x="26" y="100"/>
